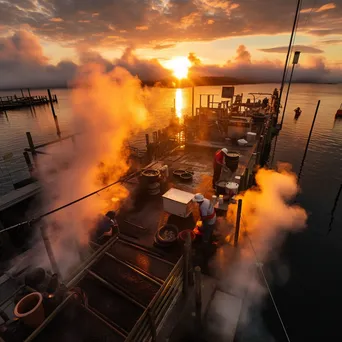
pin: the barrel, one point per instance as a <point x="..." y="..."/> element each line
<point x="232" y="161"/>
<point x="153" y="188"/>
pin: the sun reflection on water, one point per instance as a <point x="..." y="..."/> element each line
<point x="179" y="103"/>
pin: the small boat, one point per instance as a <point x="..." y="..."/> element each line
<point x="297" y="112"/>
<point x="339" y="112"/>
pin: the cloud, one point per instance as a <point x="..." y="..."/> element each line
<point x="152" y="22"/>
<point x="23" y="64"/>
<point x="301" y="48"/>
<point x="326" y="7"/>
<point x="244" y="68"/>
<point x="330" y="41"/>
<point x="163" y="46"/>
<point x="325" y="32"/>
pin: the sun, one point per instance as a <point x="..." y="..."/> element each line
<point x="179" y="66"/>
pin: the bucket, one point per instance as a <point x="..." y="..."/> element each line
<point x="30" y="310"/>
<point x="232" y="188"/>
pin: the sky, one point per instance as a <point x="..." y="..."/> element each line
<point x="44" y="42"/>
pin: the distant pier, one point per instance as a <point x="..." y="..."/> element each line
<point x="16" y="102"/>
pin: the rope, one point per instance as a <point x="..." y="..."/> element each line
<point x="258" y="264"/>
<point x="33" y="220"/>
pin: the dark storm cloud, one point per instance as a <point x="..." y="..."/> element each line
<point x="301" y="48"/>
<point x="150" y="22"/>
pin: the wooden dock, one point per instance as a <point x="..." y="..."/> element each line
<point x="16" y="102"/>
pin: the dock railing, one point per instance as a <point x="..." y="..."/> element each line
<point x="146" y="327"/>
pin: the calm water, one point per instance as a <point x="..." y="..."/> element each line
<point x="311" y="300"/>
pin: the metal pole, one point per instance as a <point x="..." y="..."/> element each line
<point x="287" y="95"/>
<point x="237" y="226"/>
<point x="49" y="251"/>
<point x="51" y="103"/>
<point x="294" y="62"/>
<point x="193" y="101"/>
<point x="308" y="142"/>
<point x="198" y="298"/>
<point x="288" y="55"/>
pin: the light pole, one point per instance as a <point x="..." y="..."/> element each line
<point x="294" y="62"/>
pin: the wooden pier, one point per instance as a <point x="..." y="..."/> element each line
<point x="16" y="102"/>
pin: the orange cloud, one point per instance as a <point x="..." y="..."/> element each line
<point x="141" y="28"/>
<point x="210" y="21"/>
<point x="56" y="20"/>
<point x="326" y="7"/>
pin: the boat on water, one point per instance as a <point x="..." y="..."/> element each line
<point x="298" y="112"/>
<point x="339" y="112"/>
<point x="130" y="283"/>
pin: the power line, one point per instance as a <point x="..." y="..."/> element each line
<point x="259" y="266"/>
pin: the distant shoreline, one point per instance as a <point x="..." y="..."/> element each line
<point x="174" y="83"/>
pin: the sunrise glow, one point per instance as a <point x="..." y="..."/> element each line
<point x="179" y="67"/>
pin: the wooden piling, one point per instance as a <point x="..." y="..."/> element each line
<point x="28" y="161"/>
<point x="57" y="126"/>
<point x="147" y="138"/>
<point x="237" y="226"/>
<point x="186" y="258"/>
<point x="193" y="101"/>
<point x="51" y="103"/>
<point x="22" y="93"/>
<point x="31" y="144"/>
<point x="198" y="298"/>
<point x="28" y="91"/>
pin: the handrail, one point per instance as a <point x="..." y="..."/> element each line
<point x="141" y="328"/>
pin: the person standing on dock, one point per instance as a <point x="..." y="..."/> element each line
<point x="208" y="217"/>
<point x="219" y="162"/>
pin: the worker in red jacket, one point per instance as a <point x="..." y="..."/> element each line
<point x="219" y="161"/>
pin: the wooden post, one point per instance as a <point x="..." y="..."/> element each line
<point x="29" y="93"/>
<point x="32" y="148"/>
<point x="51" y="103"/>
<point x="57" y="126"/>
<point x="198" y="298"/>
<point x="147" y="138"/>
<point x="28" y="161"/>
<point x="186" y="256"/>
<point x="154" y="136"/>
<point x="49" y="251"/>
<point x="22" y="93"/>
<point x="193" y="101"/>
<point x="237" y="226"/>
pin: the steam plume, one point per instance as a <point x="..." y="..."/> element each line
<point x="107" y="109"/>
<point x="267" y="215"/>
